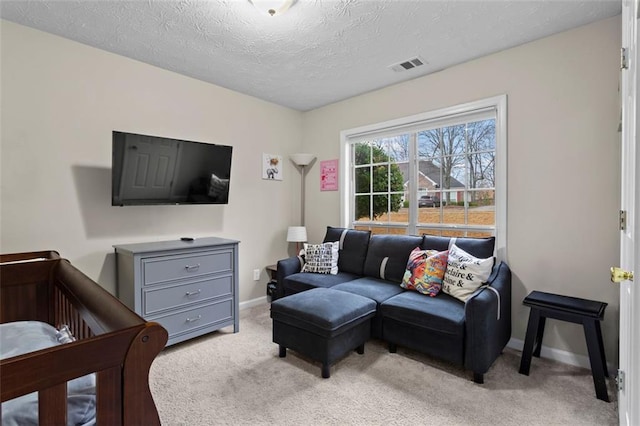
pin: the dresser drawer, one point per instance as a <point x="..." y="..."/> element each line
<point x="193" y="319"/>
<point x="162" y="269"/>
<point x="157" y="299"/>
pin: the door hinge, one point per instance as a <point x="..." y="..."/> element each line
<point x="620" y="380"/>
<point x="623" y="220"/>
<point x="623" y="59"/>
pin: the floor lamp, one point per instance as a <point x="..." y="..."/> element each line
<point x="298" y="234"/>
<point x="302" y="161"/>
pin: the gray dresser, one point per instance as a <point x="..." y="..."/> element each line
<point x="189" y="287"/>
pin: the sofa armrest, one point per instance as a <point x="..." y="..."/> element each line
<point x="286" y="267"/>
<point x="488" y="321"/>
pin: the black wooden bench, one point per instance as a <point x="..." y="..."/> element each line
<point x="589" y="313"/>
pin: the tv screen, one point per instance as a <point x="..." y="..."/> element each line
<point x="155" y="170"/>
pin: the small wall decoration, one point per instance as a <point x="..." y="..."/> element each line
<point x="329" y="175"/>
<point x="271" y="167"/>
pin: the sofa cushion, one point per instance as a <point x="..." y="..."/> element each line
<point x="441" y="314"/>
<point x="302" y="281"/>
<point x="388" y="255"/>
<point x="425" y="271"/>
<point x="352" y="250"/>
<point x="465" y="273"/>
<point x="478" y="247"/>
<point x="321" y="258"/>
<point x="373" y="288"/>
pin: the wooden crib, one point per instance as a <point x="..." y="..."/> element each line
<point x="112" y="341"/>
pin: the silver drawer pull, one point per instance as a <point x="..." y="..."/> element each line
<point x="194" y="318"/>
<point x="193" y="293"/>
<point x="191" y="268"/>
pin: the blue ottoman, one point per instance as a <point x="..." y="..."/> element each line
<point x="322" y="324"/>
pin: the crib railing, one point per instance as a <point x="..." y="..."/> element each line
<point x="112" y="341"/>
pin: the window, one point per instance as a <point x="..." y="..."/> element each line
<point x="438" y="173"/>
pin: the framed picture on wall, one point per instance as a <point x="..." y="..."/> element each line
<point x="329" y="175"/>
<point x="271" y="167"/>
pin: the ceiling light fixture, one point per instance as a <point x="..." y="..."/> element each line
<point x="272" y="7"/>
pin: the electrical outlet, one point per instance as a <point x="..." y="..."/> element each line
<point x="256" y="274"/>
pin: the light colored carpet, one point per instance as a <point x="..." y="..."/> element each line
<point x="238" y="379"/>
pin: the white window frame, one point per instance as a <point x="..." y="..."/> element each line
<point x="418" y="121"/>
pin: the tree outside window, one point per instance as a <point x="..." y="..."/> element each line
<point x="378" y="182"/>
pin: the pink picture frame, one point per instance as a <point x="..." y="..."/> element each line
<point x="329" y="175"/>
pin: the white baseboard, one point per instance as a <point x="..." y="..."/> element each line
<point x="253" y="302"/>
<point x="561" y="356"/>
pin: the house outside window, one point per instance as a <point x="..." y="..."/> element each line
<point x="438" y="173"/>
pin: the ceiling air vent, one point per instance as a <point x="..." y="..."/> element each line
<point x="408" y="64"/>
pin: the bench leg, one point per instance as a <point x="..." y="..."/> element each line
<point x="360" y="349"/>
<point x="326" y="372"/>
<point x="533" y="330"/>
<point x="601" y="346"/>
<point x="283" y="351"/>
<point x="539" y="335"/>
<point x="594" y="346"/>
<point x="393" y="348"/>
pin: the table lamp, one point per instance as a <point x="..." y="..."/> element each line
<point x="297" y="234"/>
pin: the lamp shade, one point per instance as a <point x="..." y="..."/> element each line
<point x="297" y="234"/>
<point x="302" y="159"/>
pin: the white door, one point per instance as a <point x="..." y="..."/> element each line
<point x="629" y="394"/>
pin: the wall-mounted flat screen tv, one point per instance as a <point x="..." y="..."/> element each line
<point x="155" y="170"/>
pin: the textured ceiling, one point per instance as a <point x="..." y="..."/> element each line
<point x="319" y="52"/>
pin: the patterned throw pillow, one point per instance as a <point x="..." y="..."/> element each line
<point x="321" y="258"/>
<point x="425" y="271"/>
<point x="465" y="273"/>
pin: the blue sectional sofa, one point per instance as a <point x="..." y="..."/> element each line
<point x="471" y="334"/>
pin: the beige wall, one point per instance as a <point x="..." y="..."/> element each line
<point x="60" y="102"/>
<point x="563" y="155"/>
